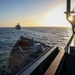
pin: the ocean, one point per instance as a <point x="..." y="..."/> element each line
<point x="48" y="35"/>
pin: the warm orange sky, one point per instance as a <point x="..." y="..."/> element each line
<point x="31" y="13"/>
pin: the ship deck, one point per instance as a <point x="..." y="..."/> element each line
<point x="22" y="55"/>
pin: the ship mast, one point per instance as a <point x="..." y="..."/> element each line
<point x="70" y="15"/>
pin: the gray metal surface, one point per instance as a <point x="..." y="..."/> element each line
<point x="33" y="66"/>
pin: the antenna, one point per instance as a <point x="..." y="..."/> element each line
<point x="70" y="15"/>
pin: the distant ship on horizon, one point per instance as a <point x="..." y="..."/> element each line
<point x="18" y="26"/>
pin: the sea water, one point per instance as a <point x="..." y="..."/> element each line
<point x="50" y="36"/>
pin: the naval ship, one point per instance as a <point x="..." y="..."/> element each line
<point x="29" y="57"/>
<point x="18" y="26"/>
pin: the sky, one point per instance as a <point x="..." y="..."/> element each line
<point x="33" y="13"/>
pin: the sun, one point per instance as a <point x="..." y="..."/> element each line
<point x="70" y="18"/>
